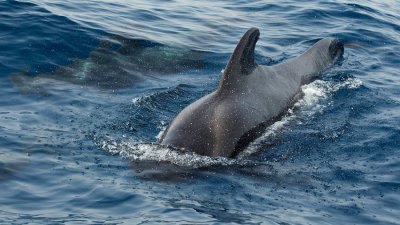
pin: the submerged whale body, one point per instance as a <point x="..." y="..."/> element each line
<point x="248" y="96"/>
<point x="117" y="62"/>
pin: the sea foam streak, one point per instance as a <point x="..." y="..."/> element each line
<point x="157" y="153"/>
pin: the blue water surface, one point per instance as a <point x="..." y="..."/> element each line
<point x="87" y="87"/>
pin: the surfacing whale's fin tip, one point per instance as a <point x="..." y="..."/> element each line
<point x="242" y="60"/>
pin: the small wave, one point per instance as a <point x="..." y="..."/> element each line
<point x="320" y="89"/>
<point x="159" y="153"/>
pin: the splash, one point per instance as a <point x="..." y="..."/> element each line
<point x="154" y="152"/>
<point x="162" y="127"/>
<point x="311" y="103"/>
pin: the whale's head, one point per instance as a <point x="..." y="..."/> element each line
<point x="335" y="49"/>
<point x="324" y="53"/>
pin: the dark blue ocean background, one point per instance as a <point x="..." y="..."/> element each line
<point x="88" y="86"/>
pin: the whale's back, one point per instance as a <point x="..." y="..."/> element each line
<point x="248" y="98"/>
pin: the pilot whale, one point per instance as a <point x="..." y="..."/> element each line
<point x="117" y="62"/>
<point x="249" y="97"/>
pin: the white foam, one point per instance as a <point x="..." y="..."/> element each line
<point x="158" y="153"/>
<point x="310" y="104"/>
<point x="162" y="127"/>
<point x="137" y="100"/>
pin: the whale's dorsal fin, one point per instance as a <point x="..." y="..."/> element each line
<point x="241" y="62"/>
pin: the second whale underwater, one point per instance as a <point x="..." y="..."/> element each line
<point x="249" y="97"/>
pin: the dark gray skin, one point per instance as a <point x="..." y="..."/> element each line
<point x="248" y="95"/>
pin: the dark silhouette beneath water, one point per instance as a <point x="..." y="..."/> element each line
<point x="117" y="62"/>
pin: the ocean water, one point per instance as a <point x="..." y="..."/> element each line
<point x="88" y="87"/>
